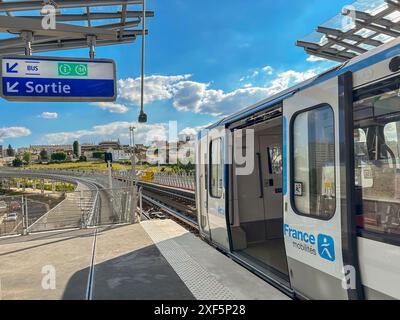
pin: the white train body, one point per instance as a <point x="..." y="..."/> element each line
<point x="315" y="207"/>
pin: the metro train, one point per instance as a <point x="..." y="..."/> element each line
<point x="315" y="207"/>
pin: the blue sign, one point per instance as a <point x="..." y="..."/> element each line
<point x="326" y="247"/>
<point x="57" y="79"/>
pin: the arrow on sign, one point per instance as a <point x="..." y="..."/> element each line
<point x="12" y="88"/>
<point x="11" y="68"/>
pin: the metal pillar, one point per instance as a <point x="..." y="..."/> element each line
<point x="91" y="41"/>
<point x="27" y="36"/>
<point x="143" y="115"/>
<point x="133" y="155"/>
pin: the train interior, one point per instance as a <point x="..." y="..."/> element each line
<point x="257" y="226"/>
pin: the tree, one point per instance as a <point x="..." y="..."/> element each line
<point x="17" y="162"/>
<point x="58" y="156"/>
<point x="76" y="148"/>
<point x="82" y="159"/>
<point x="27" y="157"/>
<point x="98" y="155"/>
<point x="44" y="155"/>
<point x="10" y="151"/>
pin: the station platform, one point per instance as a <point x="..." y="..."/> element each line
<point x="154" y="260"/>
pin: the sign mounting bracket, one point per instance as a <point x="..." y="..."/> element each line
<point x="27" y="36"/>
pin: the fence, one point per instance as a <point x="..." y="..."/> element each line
<point x="79" y="209"/>
<point x="182" y="181"/>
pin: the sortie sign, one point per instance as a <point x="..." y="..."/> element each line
<point x="31" y="78"/>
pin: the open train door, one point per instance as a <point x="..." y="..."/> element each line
<point x="202" y="184"/>
<point x="216" y="186"/>
<point x="316" y="218"/>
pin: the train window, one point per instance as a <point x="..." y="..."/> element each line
<point x="313" y="160"/>
<point x="216" y="168"/>
<point x="275" y="158"/>
<point x="377" y="163"/>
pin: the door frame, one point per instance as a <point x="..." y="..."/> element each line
<point x="347" y="173"/>
<point x="304" y="257"/>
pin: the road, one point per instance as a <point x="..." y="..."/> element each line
<point x="74" y="211"/>
<point x="69" y="213"/>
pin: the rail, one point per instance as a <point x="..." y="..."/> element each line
<point x="178" y="215"/>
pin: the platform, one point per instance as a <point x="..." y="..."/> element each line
<point x="154" y="260"/>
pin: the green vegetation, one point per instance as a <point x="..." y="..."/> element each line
<point x="98" y="155"/>
<point x="43" y="155"/>
<point x="183" y="168"/>
<point x="51" y="200"/>
<point x="82" y="165"/>
<point x="10" y="151"/>
<point x="102" y="166"/>
<point x="48" y="186"/>
<point x="58" y="156"/>
<point x="17" y="162"/>
<point x="27" y="157"/>
<point x="76" y="148"/>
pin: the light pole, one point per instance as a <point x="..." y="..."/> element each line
<point x="133" y="178"/>
<point x="143" y="115"/>
<point x="133" y="156"/>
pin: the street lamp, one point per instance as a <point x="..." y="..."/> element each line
<point x="133" y="156"/>
<point x="143" y="115"/>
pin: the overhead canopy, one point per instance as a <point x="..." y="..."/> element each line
<point x="360" y="27"/>
<point x="109" y="21"/>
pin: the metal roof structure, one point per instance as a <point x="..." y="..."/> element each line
<point x="362" y="26"/>
<point x="79" y="24"/>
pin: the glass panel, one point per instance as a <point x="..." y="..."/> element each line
<point x="216" y="183"/>
<point x="275" y="156"/>
<point x="377" y="162"/>
<point x="314" y="163"/>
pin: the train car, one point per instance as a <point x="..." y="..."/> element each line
<point x="304" y="187"/>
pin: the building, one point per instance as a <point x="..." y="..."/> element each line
<point x="1" y="151"/>
<point x="6" y="161"/>
<point x="107" y="145"/>
<point x="66" y="148"/>
<point x="85" y="147"/>
<point x="120" y="155"/>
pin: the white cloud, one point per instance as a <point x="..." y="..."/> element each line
<point x="112" y="107"/>
<point x="188" y="132"/>
<point x="49" y="115"/>
<point x="268" y="70"/>
<point x="145" y="133"/>
<point x="313" y="59"/>
<point x="198" y="97"/>
<point x="289" y="78"/>
<point x="157" y="88"/>
<point x="14" y="132"/>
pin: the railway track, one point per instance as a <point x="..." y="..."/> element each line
<point x="180" y="207"/>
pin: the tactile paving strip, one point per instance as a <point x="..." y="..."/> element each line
<point x="202" y="284"/>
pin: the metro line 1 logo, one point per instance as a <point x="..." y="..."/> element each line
<point x="326" y="247"/>
<point x="72" y="69"/>
<point x="307" y="242"/>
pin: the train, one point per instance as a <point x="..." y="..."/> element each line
<point x="303" y="188"/>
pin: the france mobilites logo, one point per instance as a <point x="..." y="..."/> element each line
<point x="326" y="247"/>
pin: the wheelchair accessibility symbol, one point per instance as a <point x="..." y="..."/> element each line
<point x="326" y="247"/>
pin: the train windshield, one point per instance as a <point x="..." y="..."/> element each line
<point x="377" y="162"/>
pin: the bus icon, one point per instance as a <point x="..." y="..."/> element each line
<point x="326" y="247"/>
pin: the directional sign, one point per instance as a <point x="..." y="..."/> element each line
<point x="31" y="78"/>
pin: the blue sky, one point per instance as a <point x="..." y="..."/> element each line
<point x="205" y="59"/>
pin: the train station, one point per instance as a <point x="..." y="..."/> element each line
<point x="148" y="156"/>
